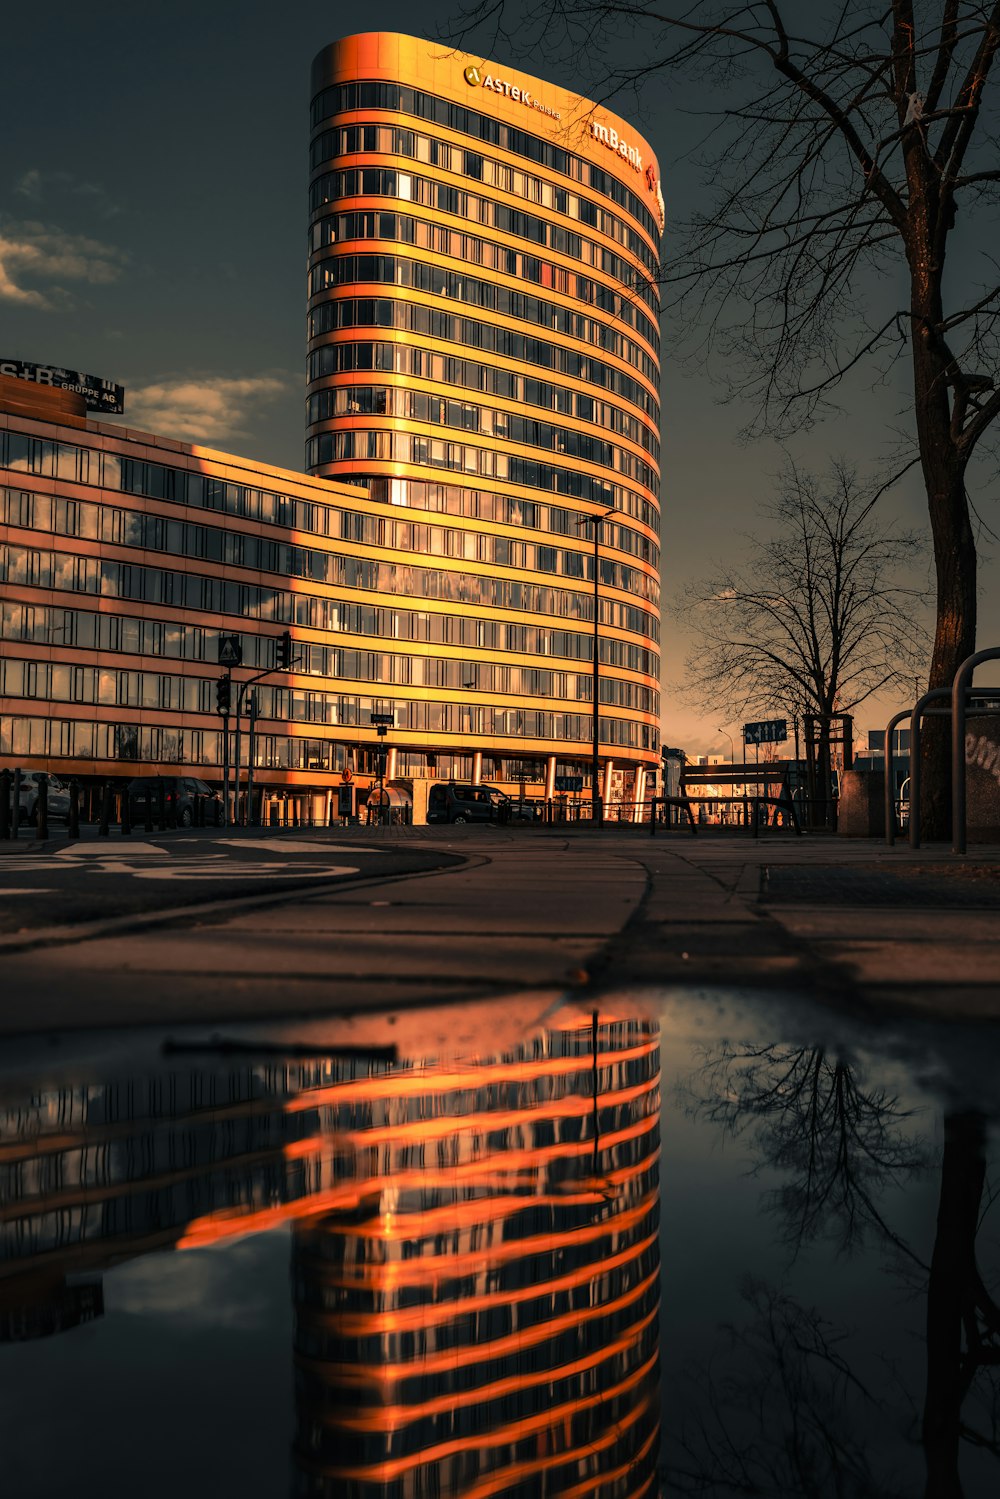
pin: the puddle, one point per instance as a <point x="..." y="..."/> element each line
<point x="687" y="1245"/>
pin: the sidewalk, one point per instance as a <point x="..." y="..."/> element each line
<point x="852" y="921"/>
<point x="550" y="911"/>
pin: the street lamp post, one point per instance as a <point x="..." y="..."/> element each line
<point x="597" y="522"/>
<point x="732" y="746"/>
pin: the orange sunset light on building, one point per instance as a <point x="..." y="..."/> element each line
<point x="482" y="433"/>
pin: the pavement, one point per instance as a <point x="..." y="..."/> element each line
<point x="215" y="926"/>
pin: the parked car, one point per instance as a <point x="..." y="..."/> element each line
<point x="180" y="799"/>
<point x="58" y="798"/>
<point x="453" y="802"/>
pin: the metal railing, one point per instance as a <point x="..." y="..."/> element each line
<point x="956" y="701"/>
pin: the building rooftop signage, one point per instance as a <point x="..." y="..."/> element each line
<point x="477" y="77"/>
<point x="610" y="138"/>
<point x="100" y="395"/>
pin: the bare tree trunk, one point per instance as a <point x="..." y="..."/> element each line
<point x="955" y="638"/>
<point x="934" y="379"/>
<point x="951" y="1293"/>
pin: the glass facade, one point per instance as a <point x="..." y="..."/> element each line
<point x="482" y="382"/>
<point x="483" y="341"/>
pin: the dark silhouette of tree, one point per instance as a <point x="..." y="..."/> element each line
<point x="963" y="1319"/>
<point x="852" y="152"/>
<point x="816" y="619"/>
<point x="841" y="1144"/>
<point x="785" y="1415"/>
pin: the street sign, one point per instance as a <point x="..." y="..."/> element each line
<point x="768" y="731"/>
<point x="230" y="650"/>
<point x="387" y="720"/>
<point x="569" y="783"/>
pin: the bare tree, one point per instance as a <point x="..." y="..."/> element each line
<point x="841" y="1140"/>
<point x="843" y="1143"/>
<point x="785" y="1415"/>
<point x="817" y="618"/>
<point x="853" y="151"/>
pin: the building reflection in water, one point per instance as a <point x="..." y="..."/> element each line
<point x="486" y="1320"/>
<point x="475" y="1260"/>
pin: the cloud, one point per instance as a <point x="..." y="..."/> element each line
<point x="216" y="1287"/>
<point x="212" y="409"/>
<point x="30" y="185"/>
<point x="31" y="251"/>
<point x="11" y="292"/>
<point x="43" y="187"/>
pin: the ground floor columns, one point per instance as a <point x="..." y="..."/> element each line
<point x="550" y="778"/>
<point x="640" y="792"/>
<point x="477" y="768"/>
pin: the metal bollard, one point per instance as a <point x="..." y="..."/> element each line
<point x="42" y="807"/>
<point x="104" y="831"/>
<point x="73" y="820"/>
<point x="161" y="807"/>
<point x="126" y="814"/>
<point x="15" y="825"/>
<point x="4" y="805"/>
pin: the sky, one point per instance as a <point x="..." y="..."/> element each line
<point x="153" y="220"/>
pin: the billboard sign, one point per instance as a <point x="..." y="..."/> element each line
<point x="569" y="783"/>
<point x="99" y="394"/>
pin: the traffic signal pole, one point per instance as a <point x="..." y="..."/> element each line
<point x="225" y="750"/>
<point x="285" y="662"/>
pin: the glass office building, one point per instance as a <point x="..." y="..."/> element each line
<point x="484" y="356"/>
<point x="482" y="398"/>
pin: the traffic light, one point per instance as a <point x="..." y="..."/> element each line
<point x="285" y="651"/>
<point x="223" y="690"/>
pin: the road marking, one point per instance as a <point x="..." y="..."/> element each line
<point x="102" y="851"/>
<point x="31" y="890"/>
<point x="245" y="871"/>
<point x="295" y="846"/>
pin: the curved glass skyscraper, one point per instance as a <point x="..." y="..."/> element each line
<point x="484" y="355"/>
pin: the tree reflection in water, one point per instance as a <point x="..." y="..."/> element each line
<point x="788" y="1415"/>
